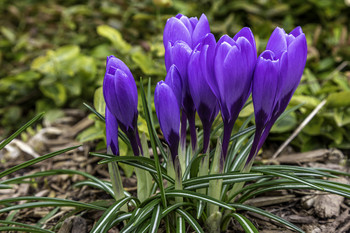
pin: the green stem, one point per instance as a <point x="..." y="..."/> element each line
<point x="117" y="184"/>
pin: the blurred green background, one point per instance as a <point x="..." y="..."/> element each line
<point x="52" y="55"/>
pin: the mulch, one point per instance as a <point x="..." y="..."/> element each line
<point x="313" y="211"/>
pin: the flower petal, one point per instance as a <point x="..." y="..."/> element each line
<point x="175" y="30"/>
<point x="264" y="88"/>
<point x="111" y="132"/>
<point x="277" y="42"/>
<point x="174" y="81"/>
<point x="200" y="30"/>
<point x="248" y="34"/>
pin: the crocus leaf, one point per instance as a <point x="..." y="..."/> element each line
<point x="115" y="37"/>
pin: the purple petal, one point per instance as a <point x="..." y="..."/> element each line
<point x="173" y="80"/>
<point x="248" y="34"/>
<point x="203" y="98"/>
<point x="194" y="21"/>
<point x="114" y="63"/>
<point x="186" y="21"/>
<point x="296" y="31"/>
<point x="121" y="98"/>
<point x="178" y="54"/>
<point x="277" y="42"/>
<point x="234" y="67"/>
<point x="265" y="84"/>
<point x="111" y="132"/>
<point x="292" y="65"/>
<point x="202" y="28"/>
<point x="175" y="30"/>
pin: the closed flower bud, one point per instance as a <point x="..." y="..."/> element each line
<point x="168" y="113"/>
<point x="234" y="64"/>
<point x="120" y="94"/>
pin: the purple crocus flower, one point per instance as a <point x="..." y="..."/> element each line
<point x="234" y="64"/>
<point x="120" y="94"/>
<point x="204" y="99"/>
<point x="188" y="30"/>
<point x="111" y="132"/>
<point x="168" y="113"/>
<point x="277" y="75"/>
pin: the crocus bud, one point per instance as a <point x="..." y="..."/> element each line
<point x="188" y="30"/>
<point x="234" y="63"/>
<point x="120" y="94"/>
<point x="174" y="81"/>
<point x="291" y="49"/>
<point x="203" y="98"/>
<point x="111" y="132"/>
<point x="168" y="113"/>
<point x="277" y="74"/>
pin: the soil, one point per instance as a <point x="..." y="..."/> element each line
<point x="313" y="211"/>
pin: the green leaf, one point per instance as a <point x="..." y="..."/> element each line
<point x="99" y="101"/>
<point x="309" y="102"/>
<point x="194" y="224"/>
<point x="286" y="124"/>
<point x="91" y="133"/>
<point x="50" y="63"/>
<point x="156" y="217"/>
<point x="46" y="201"/>
<point x="291" y="177"/>
<point x="198" y="196"/>
<point x="55" y="91"/>
<point x="339" y="99"/>
<point x="21" y="229"/>
<point x="34" y="228"/>
<point x="109" y="215"/>
<point x="115" y="37"/>
<point x="34" y="161"/>
<point x="8" y="33"/>
<point x="147" y="65"/>
<point x="245" y="223"/>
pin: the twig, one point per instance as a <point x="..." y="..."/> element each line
<point x="301" y="126"/>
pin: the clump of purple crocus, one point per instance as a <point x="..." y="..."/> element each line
<point x="277" y="75"/>
<point x="206" y="76"/>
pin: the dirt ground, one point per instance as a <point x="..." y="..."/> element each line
<point x="313" y="211"/>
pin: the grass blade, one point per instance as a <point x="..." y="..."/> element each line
<point x="245" y="223"/>
<point x="34" y="228"/>
<point x="34" y="161"/>
<point x="266" y="214"/>
<point x="291" y="177"/>
<point x="156" y="217"/>
<point x="197" y="196"/>
<point x="20" y="130"/>
<point x="195" y="225"/>
<point x="109" y="215"/>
